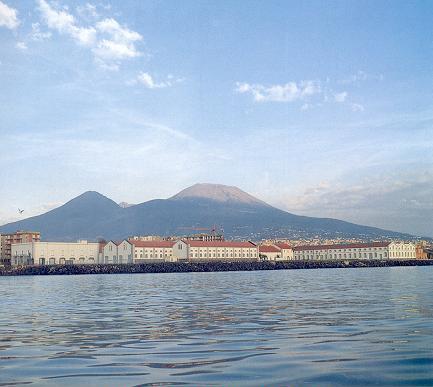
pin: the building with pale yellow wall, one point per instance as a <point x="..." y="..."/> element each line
<point x="402" y="250"/>
<point x="222" y="250"/>
<point x="373" y="250"/>
<point x="152" y="251"/>
<point x="55" y="253"/>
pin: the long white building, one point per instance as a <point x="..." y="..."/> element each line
<point x="189" y="250"/>
<point x="222" y="250"/>
<point x="154" y="251"/>
<point x="374" y="250"/>
<point x="54" y="253"/>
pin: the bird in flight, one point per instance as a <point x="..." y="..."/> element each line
<point x="20" y="211"/>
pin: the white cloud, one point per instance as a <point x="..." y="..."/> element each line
<point x="87" y="11"/>
<point x="288" y="92"/>
<point x="8" y="16"/>
<point x="147" y="80"/>
<point x="356" y="107"/>
<point x="109" y="41"/>
<point x="112" y="50"/>
<point x="37" y="35"/>
<point x="21" y="46"/>
<point x="119" y="43"/>
<point x="310" y="93"/>
<point x="340" y="97"/>
<point x="65" y="23"/>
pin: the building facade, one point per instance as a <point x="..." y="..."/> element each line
<point x="7" y="240"/>
<point x="286" y="251"/>
<point x="153" y="251"/>
<point x="55" y="253"/>
<point x="222" y="250"/>
<point x="146" y="238"/>
<point x="117" y="252"/>
<point x="420" y="251"/>
<point x="374" y="250"/>
<point x="204" y="237"/>
<point x="270" y="253"/>
<point x="402" y="250"/>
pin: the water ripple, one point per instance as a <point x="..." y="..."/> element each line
<point x="323" y="327"/>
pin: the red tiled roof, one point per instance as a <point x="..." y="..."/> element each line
<point x="348" y="246"/>
<point x="269" y="249"/>
<point x="283" y="245"/>
<point x="221" y="244"/>
<point x="154" y="244"/>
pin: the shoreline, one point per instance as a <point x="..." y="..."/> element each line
<point x="200" y="267"/>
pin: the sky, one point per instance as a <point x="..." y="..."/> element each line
<point x="319" y="108"/>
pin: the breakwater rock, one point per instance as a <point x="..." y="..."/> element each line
<point x="188" y="267"/>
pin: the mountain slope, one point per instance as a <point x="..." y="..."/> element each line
<point x="82" y="217"/>
<point x="217" y="192"/>
<point x="240" y="215"/>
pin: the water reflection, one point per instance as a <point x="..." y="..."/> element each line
<point x="334" y="326"/>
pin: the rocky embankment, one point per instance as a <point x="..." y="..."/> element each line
<point x="187" y="267"/>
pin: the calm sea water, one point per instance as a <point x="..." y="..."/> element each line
<point x="302" y="327"/>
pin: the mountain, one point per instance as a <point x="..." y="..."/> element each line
<point x="80" y="218"/>
<point x="218" y="193"/>
<point x="92" y="216"/>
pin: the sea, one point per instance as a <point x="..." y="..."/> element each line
<point x="317" y="327"/>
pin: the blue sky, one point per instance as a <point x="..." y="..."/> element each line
<point x="319" y="108"/>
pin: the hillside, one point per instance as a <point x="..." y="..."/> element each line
<point x="92" y="216"/>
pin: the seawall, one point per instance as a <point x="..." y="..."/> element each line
<point x="188" y="267"/>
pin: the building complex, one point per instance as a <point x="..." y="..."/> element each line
<point x="136" y="250"/>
